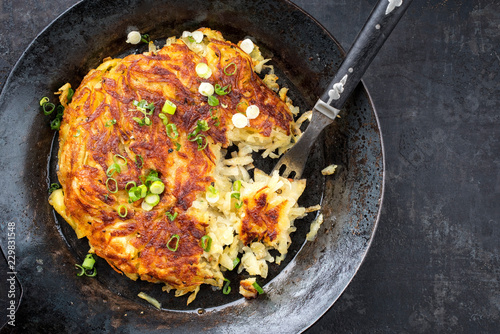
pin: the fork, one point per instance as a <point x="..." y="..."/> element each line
<point x="376" y="30"/>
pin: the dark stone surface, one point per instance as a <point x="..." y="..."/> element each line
<point x="434" y="265"/>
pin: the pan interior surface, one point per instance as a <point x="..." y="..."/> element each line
<point x="298" y="291"/>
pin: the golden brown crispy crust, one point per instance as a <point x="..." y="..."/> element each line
<point x="137" y="243"/>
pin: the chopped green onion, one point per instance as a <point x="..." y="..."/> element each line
<point x="226" y="69"/>
<point x="206" y="89"/>
<point x="235" y="195"/>
<point x="212" y="195"/>
<point x="235" y="262"/>
<point x="157" y="187"/>
<point x="239" y="120"/>
<point x="48" y="108"/>
<point x="258" y="288"/>
<point x="146" y="207"/>
<point x="171" y="216"/>
<point x="44" y="100"/>
<point x="55" y="124"/>
<point x="191" y="39"/>
<point x="200" y="139"/>
<point x="145" y="38"/>
<point x="213" y="101"/>
<point x="252" y="111"/>
<point x="237" y="185"/>
<point x="71" y="92"/>
<point x="53" y="187"/>
<point x="117" y="157"/>
<point x="177" y="146"/>
<point x="134" y="194"/>
<point x="112" y="169"/>
<point x="150" y="300"/>
<point x="201" y="125"/>
<point x="143" y="189"/>
<point x="139" y="121"/>
<point x="203" y="71"/>
<point x="172" y="131"/>
<point x="116" y="185"/>
<point x="227" y="289"/>
<point x="131" y="182"/>
<point x="163" y="118"/>
<point x="143" y="106"/>
<point x="174" y="237"/>
<point x="147" y="121"/>
<point x="120" y="208"/>
<point x="152" y="199"/>
<point x="110" y="123"/>
<point x="169" y="107"/>
<point x="222" y="90"/>
<point x="87" y="267"/>
<point x="139" y="165"/>
<point x="152" y="177"/>
<point x="238" y="205"/>
<point x="206" y="243"/>
<point x="198" y="36"/>
<point x="77" y="133"/>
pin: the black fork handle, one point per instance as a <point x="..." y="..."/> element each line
<point x="370" y="39"/>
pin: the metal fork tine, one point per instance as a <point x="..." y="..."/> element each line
<point x="295" y="159"/>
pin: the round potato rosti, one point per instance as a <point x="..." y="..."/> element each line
<point x="144" y="118"/>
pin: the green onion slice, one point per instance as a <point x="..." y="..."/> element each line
<point x="87" y="267"/>
<point x="258" y="288"/>
<point x="110" y="123"/>
<point x="152" y="199"/>
<point x="152" y="177"/>
<point x="157" y="187"/>
<point x="227" y="69"/>
<point x="129" y="183"/>
<point x="144" y="190"/>
<point x="169" y="107"/>
<point x="235" y="262"/>
<point x="134" y="194"/>
<point x="118" y="157"/>
<point x="44" y="100"/>
<point x="176" y="238"/>
<point x="146" y="207"/>
<point x="54" y="186"/>
<point x="55" y="124"/>
<point x="137" y="163"/>
<point x="206" y="243"/>
<point x="219" y="90"/>
<point x="48" y="108"/>
<point x="172" y="131"/>
<point x="238" y="205"/>
<point x="120" y="209"/>
<point x="60" y="111"/>
<point x="145" y="38"/>
<point x="171" y="216"/>
<point x="177" y="146"/>
<point x="112" y="169"/>
<point x="227" y="289"/>
<point x="150" y="300"/>
<point x="237" y="185"/>
<point x="71" y="92"/>
<point x="235" y="195"/>
<point x="116" y="185"/>
<point x="213" y="101"/>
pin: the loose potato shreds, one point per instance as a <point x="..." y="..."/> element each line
<point x="103" y="121"/>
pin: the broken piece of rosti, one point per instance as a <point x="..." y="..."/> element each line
<point x="144" y="170"/>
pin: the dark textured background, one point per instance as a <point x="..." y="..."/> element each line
<point x="434" y="265"/>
